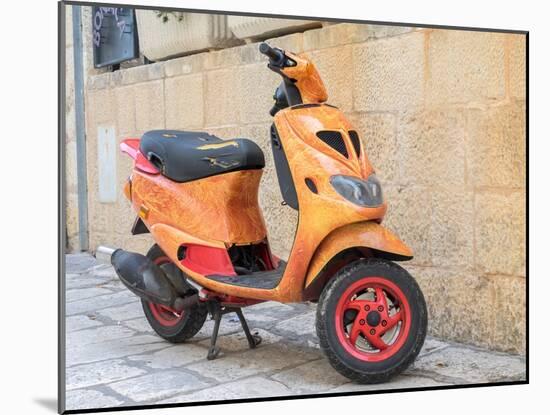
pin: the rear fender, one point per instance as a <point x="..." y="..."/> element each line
<point x="130" y="146"/>
<point x="356" y="240"/>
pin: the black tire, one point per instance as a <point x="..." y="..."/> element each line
<point x="342" y="360"/>
<point x="185" y="328"/>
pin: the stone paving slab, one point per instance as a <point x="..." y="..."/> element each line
<point x="79" y="323"/>
<point x="474" y="366"/>
<point x="115" y="359"/>
<point x="253" y="387"/>
<point x="100" y="373"/>
<point x="158" y="385"/>
<point x="172" y="357"/>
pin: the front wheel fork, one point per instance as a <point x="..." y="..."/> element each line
<point x="217" y="310"/>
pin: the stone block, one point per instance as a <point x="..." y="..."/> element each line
<point x="254" y="361"/>
<point x="71" y="179"/>
<point x="125" y="111"/>
<point x="157" y="385"/>
<point x="297" y="326"/>
<point x="142" y="73"/>
<point x="100" y="109"/>
<point x="247" y="27"/>
<point x="224" y="58"/>
<point x="184" y="102"/>
<point x="256" y="86"/>
<point x="293" y="43"/>
<point x="472" y="366"/>
<point x="79" y="263"/>
<point x="81" y="294"/>
<point x="253" y="387"/>
<point x="184" y="65"/>
<point x="460" y="304"/>
<point x="172" y="357"/>
<point x="193" y="32"/>
<point x="496" y="146"/>
<point x="100" y="81"/>
<point x="334" y="66"/>
<point x="92" y="336"/>
<point x="388" y="74"/>
<point x="87" y="399"/>
<point x="99" y="219"/>
<point x="94" y="304"/>
<point x="124" y="312"/>
<point x="221" y="95"/>
<point x="226" y="132"/>
<point x="433" y="148"/>
<point x="500" y="232"/>
<point x="412" y="228"/>
<point x="510" y="313"/>
<point x="282" y="222"/>
<point x="75" y="323"/>
<point x="139" y="324"/>
<point x="379" y="138"/>
<point x="114" y="349"/>
<point x="312" y="377"/>
<point x="71" y="217"/>
<point x="149" y="106"/>
<point x="452" y="228"/>
<point x="517" y="45"/>
<point x="99" y="373"/>
<point x="398" y="382"/>
<point x="465" y="66"/>
<point x="237" y="342"/>
<point x="345" y="33"/>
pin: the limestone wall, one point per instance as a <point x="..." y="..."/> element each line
<point x="71" y="185"/>
<point x="442" y="115"/>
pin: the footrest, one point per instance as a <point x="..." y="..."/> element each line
<point x="262" y="279"/>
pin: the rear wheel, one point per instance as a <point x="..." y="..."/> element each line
<point x="168" y="324"/>
<point x="371" y="320"/>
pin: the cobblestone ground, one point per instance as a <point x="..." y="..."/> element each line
<point x="115" y="359"/>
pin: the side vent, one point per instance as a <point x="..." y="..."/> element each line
<point x="354" y="137"/>
<point x="333" y="139"/>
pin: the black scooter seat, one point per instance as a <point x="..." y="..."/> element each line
<point x="184" y="156"/>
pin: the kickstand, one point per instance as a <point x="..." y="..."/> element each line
<point x="217" y="312"/>
<point x="253" y="339"/>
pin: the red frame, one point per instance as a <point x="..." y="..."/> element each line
<point x="207" y="260"/>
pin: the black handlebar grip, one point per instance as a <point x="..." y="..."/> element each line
<point x="274" y="54"/>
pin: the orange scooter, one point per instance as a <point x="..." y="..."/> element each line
<point x="198" y="196"/>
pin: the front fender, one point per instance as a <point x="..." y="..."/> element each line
<point x="369" y="235"/>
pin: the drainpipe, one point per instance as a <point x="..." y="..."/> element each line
<point x="82" y="180"/>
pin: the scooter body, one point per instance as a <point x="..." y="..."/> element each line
<point x="207" y="220"/>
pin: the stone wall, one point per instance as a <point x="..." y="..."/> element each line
<point x="442" y="115"/>
<point x="71" y="184"/>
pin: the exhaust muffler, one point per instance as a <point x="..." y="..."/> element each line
<point x="145" y="279"/>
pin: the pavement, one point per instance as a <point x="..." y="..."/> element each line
<point x="113" y="357"/>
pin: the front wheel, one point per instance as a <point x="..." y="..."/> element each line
<point x="168" y="324"/>
<point x="371" y="320"/>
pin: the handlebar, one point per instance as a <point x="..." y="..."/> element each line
<point x="277" y="56"/>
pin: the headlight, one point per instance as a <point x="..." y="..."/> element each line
<point x="363" y="193"/>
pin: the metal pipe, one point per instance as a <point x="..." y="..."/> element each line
<point x="104" y="253"/>
<point x="81" y="167"/>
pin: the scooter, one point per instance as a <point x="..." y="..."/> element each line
<point x="198" y="196"/>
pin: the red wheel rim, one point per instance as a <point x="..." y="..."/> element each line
<point x="162" y="314"/>
<point x="373" y="319"/>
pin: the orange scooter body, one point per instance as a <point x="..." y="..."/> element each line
<point x="210" y="215"/>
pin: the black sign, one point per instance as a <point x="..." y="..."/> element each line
<point x="114" y="35"/>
